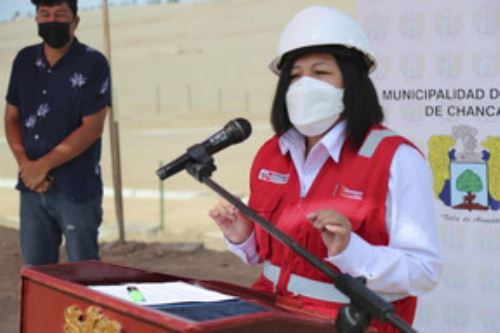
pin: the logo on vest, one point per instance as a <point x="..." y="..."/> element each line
<point x="273" y="177"/>
<point x="349" y="193"/>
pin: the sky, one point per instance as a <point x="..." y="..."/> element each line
<point x="8" y="8"/>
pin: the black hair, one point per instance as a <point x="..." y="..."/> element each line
<point x="73" y="4"/>
<point x="362" y="108"/>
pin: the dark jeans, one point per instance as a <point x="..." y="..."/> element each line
<point x="46" y="217"/>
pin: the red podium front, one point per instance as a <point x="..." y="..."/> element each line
<point x="55" y="298"/>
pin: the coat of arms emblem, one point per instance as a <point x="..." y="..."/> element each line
<point x="466" y="172"/>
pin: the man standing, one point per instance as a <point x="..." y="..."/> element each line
<point x="57" y="100"/>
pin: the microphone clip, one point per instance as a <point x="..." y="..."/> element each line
<point x="203" y="165"/>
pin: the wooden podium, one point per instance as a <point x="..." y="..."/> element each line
<point x="55" y="298"/>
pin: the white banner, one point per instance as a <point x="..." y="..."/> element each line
<point x="438" y="78"/>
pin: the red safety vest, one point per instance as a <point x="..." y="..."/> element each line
<point x="356" y="187"/>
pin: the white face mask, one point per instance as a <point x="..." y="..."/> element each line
<point x="313" y="105"/>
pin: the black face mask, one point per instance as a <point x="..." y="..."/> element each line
<point x="55" y="34"/>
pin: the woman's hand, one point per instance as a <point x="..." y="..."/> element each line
<point x="236" y="227"/>
<point x="334" y="227"/>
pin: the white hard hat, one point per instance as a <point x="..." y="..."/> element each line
<point x="321" y="25"/>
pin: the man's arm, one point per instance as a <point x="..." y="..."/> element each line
<point x="13" y="133"/>
<point x="33" y="173"/>
<point x="14" y="138"/>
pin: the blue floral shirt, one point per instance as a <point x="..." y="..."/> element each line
<point x="52" y="102"/>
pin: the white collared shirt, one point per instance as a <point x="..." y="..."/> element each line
<point x="411" y="262"/>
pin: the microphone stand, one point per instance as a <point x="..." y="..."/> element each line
<point x="365" y="304"/>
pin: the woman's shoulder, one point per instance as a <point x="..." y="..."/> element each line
<point x="381" y="132"/>
<point x="267" y="152"/>
<point x="269" y="148"/>
<point x="380" y="135"/>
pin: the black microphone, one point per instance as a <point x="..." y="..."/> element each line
<point x="233" y="132"/>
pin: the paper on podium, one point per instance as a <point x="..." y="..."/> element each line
<point x="163" y="293"/>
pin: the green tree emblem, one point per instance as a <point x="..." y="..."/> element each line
<point x="470" y="183"/>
